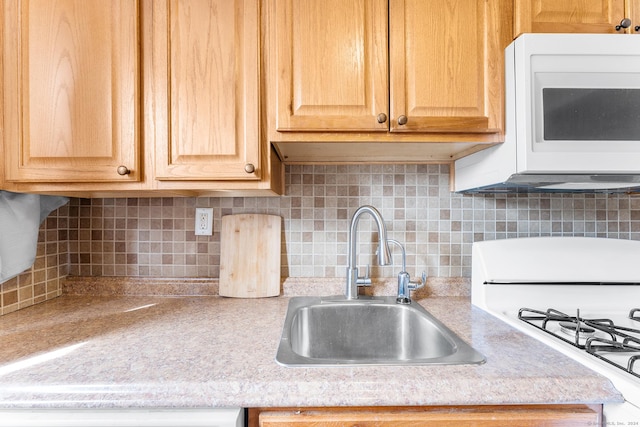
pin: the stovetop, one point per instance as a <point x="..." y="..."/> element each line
<point x="613" y="339"/>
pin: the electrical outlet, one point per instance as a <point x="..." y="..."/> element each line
<point x="204" y="221"/>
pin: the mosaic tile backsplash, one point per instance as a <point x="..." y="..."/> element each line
<point x="154" y="237"/>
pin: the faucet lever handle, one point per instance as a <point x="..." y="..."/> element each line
<point x="420" y="284"/>
<point x="366" y="280"/>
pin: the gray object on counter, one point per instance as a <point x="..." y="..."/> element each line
<point x="20" y="219"/>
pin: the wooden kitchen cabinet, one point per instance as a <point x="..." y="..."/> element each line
<point x="570" y="16"/>
<point x="71" y="81"/>
<point x="331" y="59"/>
<point x="446" y="67"/>
<point x="211" y="70"/>
<point x="438" y="416"/>
<point x="402" y="71"/>
<point x="173" y="94"/>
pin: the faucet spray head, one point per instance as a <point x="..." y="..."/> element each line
<point x="384" y="253"/>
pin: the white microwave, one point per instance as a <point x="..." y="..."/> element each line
<point x="572" y="118"/>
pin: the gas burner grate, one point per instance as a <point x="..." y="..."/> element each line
<point x="555" y="317"/>
<point x="599" y="347"/>
<point x="613" y="339"/>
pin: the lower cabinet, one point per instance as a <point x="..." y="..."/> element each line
<point x="440" y="416"/>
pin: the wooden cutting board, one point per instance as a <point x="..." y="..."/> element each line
<point x="250" y="256"/>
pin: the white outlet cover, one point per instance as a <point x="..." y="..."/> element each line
<point x="204" y="222"/>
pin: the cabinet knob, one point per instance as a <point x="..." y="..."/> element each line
<point x="402" y="120"/>
<point x="637" y="28"/>
<point x="249" y="168"/>
<point x="625" y="23"/>
<point x="382" y="117"/>
<point x="123" y="170"/>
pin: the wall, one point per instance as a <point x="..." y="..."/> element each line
<point x="153" y="237"/>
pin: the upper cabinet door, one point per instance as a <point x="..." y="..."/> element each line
<point x="446" y="65"/>
<point x="632" y="11"/>
<point x="71" y="90"/>
<point x="331" y="65"/>
<point x="211" y="69"/>
<point x="569" y="16"/>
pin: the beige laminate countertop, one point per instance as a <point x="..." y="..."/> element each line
<point x="80" y="351"/>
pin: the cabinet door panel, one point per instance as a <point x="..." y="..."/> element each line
<point x="441" y="77"/>
<point x="632" y="11"/>
<point x="568" y="16"/>
<point x="213" y="80"/>
<point x="331" y="62"/>
<point x="71" y="86"/>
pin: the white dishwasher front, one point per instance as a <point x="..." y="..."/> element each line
<point x="209" y="417"/>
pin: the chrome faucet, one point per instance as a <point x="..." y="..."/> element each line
<point x="405" y="285"/>
<point x="384" y="255"/>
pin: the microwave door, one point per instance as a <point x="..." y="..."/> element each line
<point x="584" y="112"/>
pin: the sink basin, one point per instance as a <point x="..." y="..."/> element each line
<point x="333" y="331"/>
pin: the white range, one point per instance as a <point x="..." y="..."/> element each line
<point x="579" y="295"/>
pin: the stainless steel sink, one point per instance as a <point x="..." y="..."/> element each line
<point x="331" y="331"/>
